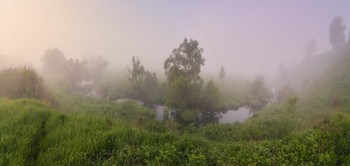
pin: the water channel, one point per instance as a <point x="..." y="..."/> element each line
<point x="229" y="116"/>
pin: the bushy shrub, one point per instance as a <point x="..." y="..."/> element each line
<point x="23" y="83"/>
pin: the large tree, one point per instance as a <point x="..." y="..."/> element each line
<point x="182" y="69"/>
<point x="337" y="32"/>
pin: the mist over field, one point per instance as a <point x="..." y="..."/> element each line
<point x="246" y="38"/>
<point x="174" y="83"/>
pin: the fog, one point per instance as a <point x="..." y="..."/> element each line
<point x="181" y="82"/>
<point x="247" y="38"/>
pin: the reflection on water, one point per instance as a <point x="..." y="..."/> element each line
<point x="160" y="112"/>
<point x="163" y="112"/>
<point x="229" y="116"/>
<point x="125" y="99"/>
<point x="239" y="115"/>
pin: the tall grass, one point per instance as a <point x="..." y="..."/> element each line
<point x="32" y="133"/>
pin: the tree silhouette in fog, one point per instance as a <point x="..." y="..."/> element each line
<point x="337" y="32"/>
<point x="80" y="75"/>
<point x="222" y="73"/>
<point x="54" y="62"/>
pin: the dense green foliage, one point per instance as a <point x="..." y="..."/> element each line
<point x="211" y="97"/>
<point x="182" y="68"/>
<point x="146" y="86"/>
<point x="34" y="134"/>
<point x="233" y="92"/>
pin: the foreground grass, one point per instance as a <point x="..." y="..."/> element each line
<point x="31" y="133"/>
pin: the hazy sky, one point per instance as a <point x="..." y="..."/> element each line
<point x="245" y="36"/>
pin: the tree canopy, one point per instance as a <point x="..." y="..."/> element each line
<point x="185" y="60"/>
<point x="182" y="69"/>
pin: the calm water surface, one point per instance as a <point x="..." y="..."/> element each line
<point x="231" y="116"/>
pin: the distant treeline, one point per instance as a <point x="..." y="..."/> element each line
<point x="77" y="75"/>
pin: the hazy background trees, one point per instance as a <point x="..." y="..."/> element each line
<point x="95" y="66"/>
<point x="282" y="75"/>
<point x="183" y="89"/>
<point x="222" y="73"/>
<point x="76" y="72"/>
<point x="54" y="63"/>
<point x="337" y="33"/>
<point x="258" y="94"/>
<point x="310" y="49"/>
<point x="78" y="75"/>
<point x="286" y="91"/>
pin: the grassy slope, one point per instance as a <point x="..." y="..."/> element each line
<point x="34" y="134"/>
